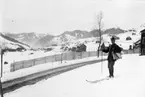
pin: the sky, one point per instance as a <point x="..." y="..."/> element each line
<point x="56" y="16"/>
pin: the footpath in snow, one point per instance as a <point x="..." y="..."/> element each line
<point x="129" y="81"/>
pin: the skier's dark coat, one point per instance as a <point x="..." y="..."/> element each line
<point x="112" y="48"/>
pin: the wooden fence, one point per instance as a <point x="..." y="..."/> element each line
<point x="58" y="57"/>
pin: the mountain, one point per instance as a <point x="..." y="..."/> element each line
<point x="69" y="36"/>
<point x="94" y="33"/>
<point x="29" y="38"/>
<point x="37" y="40"/>
<point x="114" y="31"/>
<point x="10" y="43"/>
<point x="62" y="39"/>
<point x="43" y="41"/>
<point x="78" y="34"/>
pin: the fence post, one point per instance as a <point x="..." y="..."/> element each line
<point x="55" y="58"/>
<point x="45" y="59"/>
<point x="61" y="57"/>
<point x="73" y="53"/>
<point x="11" y="67"/>
<point x="33" y="62"/>
<point x="14" y="66"/>
<point x="22" y="64"/>
<point x="65" y="57"/>
<point x="52" y="60"/>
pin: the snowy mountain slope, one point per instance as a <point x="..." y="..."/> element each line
<point x="30" y="38"/>
<point x="43" y="41"/>
<point x="135" y="36"/>
<point x="78" y="34"/>
<point x="10" y="43"/>
<point x="113" y="31"/>
<point x="89" y="38"/>
<point x="123" y="41"/>
<point x="62" y="39"/>
<point x="35" y="39"/>
<point x="91" y="41"/>
<point x="71" y="36"/>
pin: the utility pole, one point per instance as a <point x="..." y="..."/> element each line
<point x="1" y="89"/>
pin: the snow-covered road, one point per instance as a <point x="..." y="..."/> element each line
<point x="129" y="81"/>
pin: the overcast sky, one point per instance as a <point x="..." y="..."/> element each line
<point x="57" y="16"/>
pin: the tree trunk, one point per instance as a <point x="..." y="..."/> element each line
<point x="100" y="42"/>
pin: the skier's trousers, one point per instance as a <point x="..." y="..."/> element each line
<point x="111" y="67"/>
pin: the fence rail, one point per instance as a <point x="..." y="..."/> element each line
<point x="53" y="58"/>
<point x="58" y="57"/>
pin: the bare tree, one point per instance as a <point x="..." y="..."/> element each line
<point x="99" y="26"/>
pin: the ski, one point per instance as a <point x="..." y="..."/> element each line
<point x="101" y="79"/>
<point x="98" y="80"/>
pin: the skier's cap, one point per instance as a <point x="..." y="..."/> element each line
<point x="113" y="38"/>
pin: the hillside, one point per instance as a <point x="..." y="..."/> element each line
<point x="13" y="40"/>
<point x="113" y="31"/>
<point x="10" y="43"/>
<point x="36" y="40"/>
<point x="44" y="41"/>
<point x="29" y="38"/>
<point x="78" y="34"/>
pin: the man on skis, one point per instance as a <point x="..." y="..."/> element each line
<point x="111" y="50"/>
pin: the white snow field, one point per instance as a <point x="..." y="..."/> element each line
<point x="129" y="81"/>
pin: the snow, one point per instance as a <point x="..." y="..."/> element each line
<point x="26" y="55"/>
<point x="4" y="43"/>
<point x="38" y="68"/>
<point x="69" y="37"/>
<point x="62" y="39"/>
<point x="91" y="46"/>
<point x="90" y="43"/>
<point x="122" y="39"/>
<point x="123" y="36"/>
<point x="21" y="37"/>
<point x="129" y="81"/>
